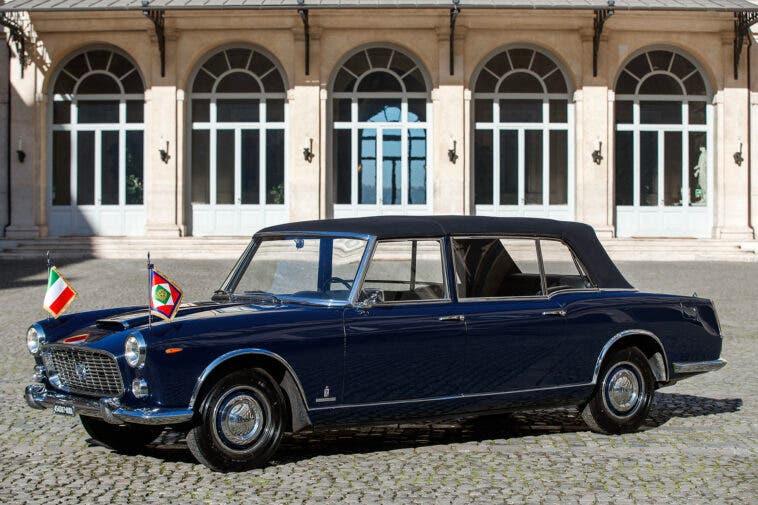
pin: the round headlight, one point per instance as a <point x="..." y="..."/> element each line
<point x="135" y="350"/>
<point x="35" y="337"/>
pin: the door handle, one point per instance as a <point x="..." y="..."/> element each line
<point x="458" y="317"/>
<point x="561" y="313"/>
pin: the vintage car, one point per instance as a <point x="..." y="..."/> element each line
<point x="374" y="320"/>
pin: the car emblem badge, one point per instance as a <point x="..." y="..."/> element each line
<point x="81" y="371"/>
<point x="326" y="397"/>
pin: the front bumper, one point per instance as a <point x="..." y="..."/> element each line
<point x="107" y="409"/>
<point x="694" y="367"/>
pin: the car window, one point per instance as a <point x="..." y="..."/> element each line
<point x="492" y="267"/>
<point x="406" y="270"/>
<point x="562" y="271"/>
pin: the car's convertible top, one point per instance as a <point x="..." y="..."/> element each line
<point x="580" y="237"/>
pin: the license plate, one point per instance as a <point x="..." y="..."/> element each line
<point x="63" y="410"/>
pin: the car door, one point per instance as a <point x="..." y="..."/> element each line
<point x="407" y="344"/>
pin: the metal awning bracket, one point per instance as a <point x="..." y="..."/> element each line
<point x="157" y="16"/>
<point x="303" y="13"/>
<point x="17" y="36"/>
<point x="601" y="15"/>
<point x="743" y="21"/>
<point x="454" y="12"/>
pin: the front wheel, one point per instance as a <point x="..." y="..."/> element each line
<point x="241" y="424"/>
<point x="623" y="394"/>
<point x="128" y="438"/>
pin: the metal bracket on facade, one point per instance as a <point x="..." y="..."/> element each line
<point x="742" y="23"/>
<point x="453" y="16"/>
<point x="17" y="36"/>
<point x="157" y="16"/>
<point x="307" y="29"/>
<point x="601" y="15"/>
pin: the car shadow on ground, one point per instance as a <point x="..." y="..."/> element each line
<point x="321" y="442"/>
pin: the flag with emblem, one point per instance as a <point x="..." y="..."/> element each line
<point x="59" y="293"/>
<point x="165" y="296"/>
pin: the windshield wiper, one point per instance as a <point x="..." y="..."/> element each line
<point x="265" y="295"/>
<point x="221" y="295"/>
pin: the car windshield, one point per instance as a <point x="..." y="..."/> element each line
<point x="308" y="269"/>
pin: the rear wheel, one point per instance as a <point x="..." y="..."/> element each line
<point x="623" y="395"/>
<point x="241" y="423"/>
<point x="128" y="438"/>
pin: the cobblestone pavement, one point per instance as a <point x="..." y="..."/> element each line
<point x="699" y="444"/>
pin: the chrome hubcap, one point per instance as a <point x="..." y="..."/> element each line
<point x="241" y="419"/>
<point x="623" y="390"/>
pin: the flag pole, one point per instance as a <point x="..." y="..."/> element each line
<point x="49" y="266"/>
<point x="149" y="295"/>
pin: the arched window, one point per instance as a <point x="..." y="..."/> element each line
<point x="97" y="144"/>
<point x="662" y="127"/>
<point x="237" y="142"/>
<point x="379" y="120"/>
<point x="522" y="136"/>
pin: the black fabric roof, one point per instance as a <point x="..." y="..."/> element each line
<point x="580" y="237"/>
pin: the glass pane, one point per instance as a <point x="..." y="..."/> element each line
<point x="561" y="271"/>
<point x="249" y="165"/>
<point x="660" y="59"/>
<point x="649" y="168"/>
<point x="696" y="112"/>
<point x="61" y="168"/>
<point x="99" y="84"/>
<point x="661" y="112"/>
<point x="499" y="64"/>
<point x="61" y="112"/>
<point x="135" y="161"/>
<point x="508" y="167"/>
<point x="624" y="112"/>
<point x="533" y="167"/>
<point x="135" y="111"/>
<point x="407" y="271"/>
<point x="672" y="169"/>
<point x="417" y="166"/>
<point x="556" y="83"/>
<point x="119" y="65"/>
<point x="273" y="83"/>
<point x="486" y="82"/>
<point x="401" y="64"/>
<point x="201" y="152"/>
<point x="367" y="166"/>
<point x="78" y="65"/>
<point x="624" y="171"/>
<point x="341" y="109"/>
<point x="217" y="64"/>
<point x="520" y="111"/>
<point x="698" y="168"/>
<point x="342" y="156"/>
<point x="275" y="110"/>
<point x="558" y="111"/>
<point x="64" y="84"/>
<point x="483" y="157"/>
<point x="379" y="56"/>
<point x="416" y="110"/>
<point x="97" y="112"/>
<point x="414" y="82"/>
<point x="344" y="82"/>
<point x="238" y="82"/>
<point x="275" y="167"/>
<point x="260" y="64"/>
<point x="237" y="111"/>
<point x="681" y="67"/>
<point x="483" y="111"/>
<point x="660" y="84"/>
<point x="392" y="168"/>
<point x="358" y="63"/>
<point x="225" y="166"/>
<point x="203" y="82"/>
<point x="695" y="84"/>
<point x="558" y="167"/>
<point x="490" y="267"/>
<point x="85" y="168"/>
<point x="521" y="82"/>
<point x="109" y="168"/>
<point x="541" y="64"/>
<point x="639" y="66"/>
<point x="238" y="57"/>
<point x="627" y="84"/>
<point x="379" y="82"/>
<point x="379" y="110"/>
<point x="98" y="59"/>
<point x="132" y="83"/>
<point x="201" y="111"/>
<point x="521" y="57"/>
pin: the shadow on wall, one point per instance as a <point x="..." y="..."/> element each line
<point x="311" y="443"/>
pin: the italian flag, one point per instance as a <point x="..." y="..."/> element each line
<point x="59" y="293"/>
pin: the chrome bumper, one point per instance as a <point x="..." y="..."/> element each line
<point x="107" y="409"/>
<point x="698" y="366"/>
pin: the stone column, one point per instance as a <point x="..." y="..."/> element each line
<point x="753" y="199"/>
<point x="732" y="136"/>
<point x="448" y="177"/>
<point x="162" y="181"/>
<point x="593" y="125"/>
<point x="4" y="147"/>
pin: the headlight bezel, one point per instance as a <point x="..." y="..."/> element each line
<point x="34" y="344"/>
<point x="135" y="350"/>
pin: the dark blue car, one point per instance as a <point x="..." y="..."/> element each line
<point x="374" y="320"/>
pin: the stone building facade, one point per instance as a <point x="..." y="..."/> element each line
<point x="238" y="128"/>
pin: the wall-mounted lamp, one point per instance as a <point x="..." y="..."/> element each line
<point x="597" y="154"/>
<point x="452" y="153"/>
<point x="308" y="150"/>
<point x="165" y="156"/>
<point x="20" y="151"/>
<point x="738" y="159"/>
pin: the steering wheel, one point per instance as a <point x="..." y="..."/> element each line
<point x="339" y="280"/>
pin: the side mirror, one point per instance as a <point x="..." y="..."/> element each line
<point x="371" y="297"/>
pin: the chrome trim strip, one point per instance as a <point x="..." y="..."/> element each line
<point x="699" y="366"/>
<point x="619" y="336"/>
<point x="107" y="409"/>
<point x="243" y="352"/>
<point x="451" y="397"/>
<point x="296" y="233"/>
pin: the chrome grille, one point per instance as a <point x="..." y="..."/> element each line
<point x="84" y="371"/>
